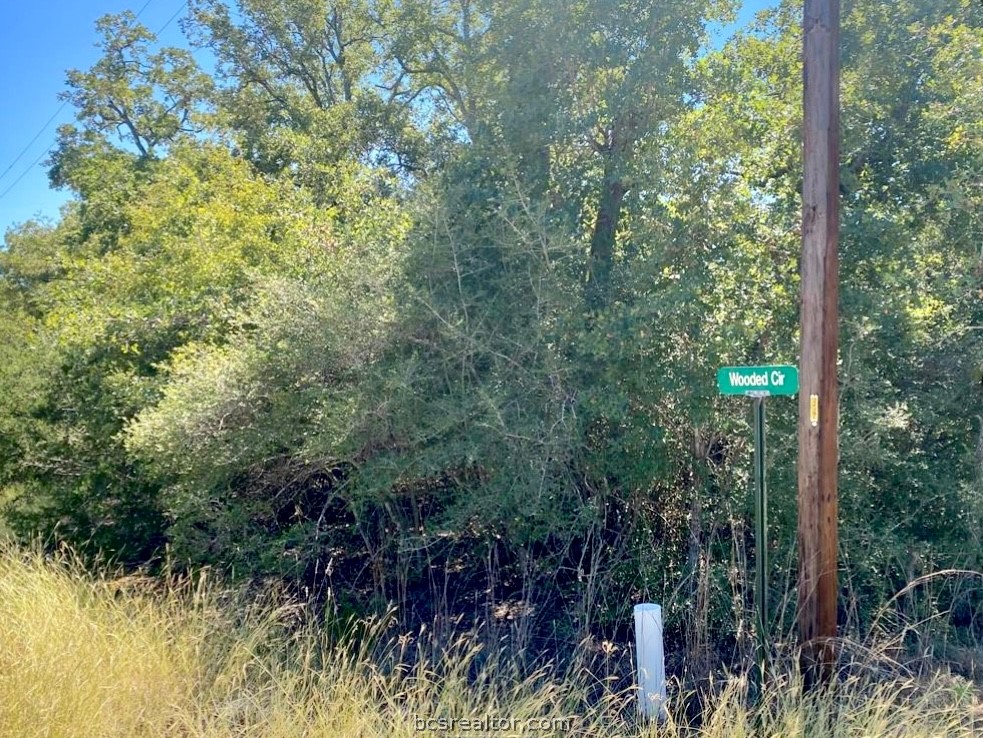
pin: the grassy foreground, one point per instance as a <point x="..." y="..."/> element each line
<point x="81" y="657"/>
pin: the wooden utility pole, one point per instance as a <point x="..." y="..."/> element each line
<point x="818" y="405"/>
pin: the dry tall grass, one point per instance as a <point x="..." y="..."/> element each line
<point x="80" y="657"/>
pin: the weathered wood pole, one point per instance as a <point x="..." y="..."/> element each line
<point x="818" y="404"/>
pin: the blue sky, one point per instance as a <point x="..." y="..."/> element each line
<point x="39" y="41"/>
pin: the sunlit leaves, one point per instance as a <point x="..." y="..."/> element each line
<point x="144" y="99"/>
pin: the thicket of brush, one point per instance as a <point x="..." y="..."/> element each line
<point x="136" y="657"/>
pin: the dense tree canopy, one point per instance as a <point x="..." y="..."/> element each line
<point x="422" y="302"/>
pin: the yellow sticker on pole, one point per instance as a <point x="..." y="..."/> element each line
<point x="814" y="410"/>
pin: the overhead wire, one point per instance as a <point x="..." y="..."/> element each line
<point x="140" y="11"/>
<point x="171" y="19"/>
<point x="26" y="171"/>
<point x="36" y="137"/>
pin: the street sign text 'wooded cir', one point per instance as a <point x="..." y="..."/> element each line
<point x="758" y="380"/>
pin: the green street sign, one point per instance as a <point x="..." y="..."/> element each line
<point x="758" y="381"/>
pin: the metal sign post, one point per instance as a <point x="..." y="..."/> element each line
<point x="760" y="531"/>
<point x="758" y="383"/>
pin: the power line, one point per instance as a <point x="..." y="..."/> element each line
<point x="36" y="137"/>
<point x="171" y="19"/>
<point x="25" y="172"/>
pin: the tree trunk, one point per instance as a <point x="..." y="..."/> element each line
<point x="598" y="291"/>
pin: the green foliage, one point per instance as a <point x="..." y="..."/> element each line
<point x="200" y="234"/>
<point x="281" y="392"/>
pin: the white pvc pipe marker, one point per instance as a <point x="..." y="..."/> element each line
<point x="650" y="654"/>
